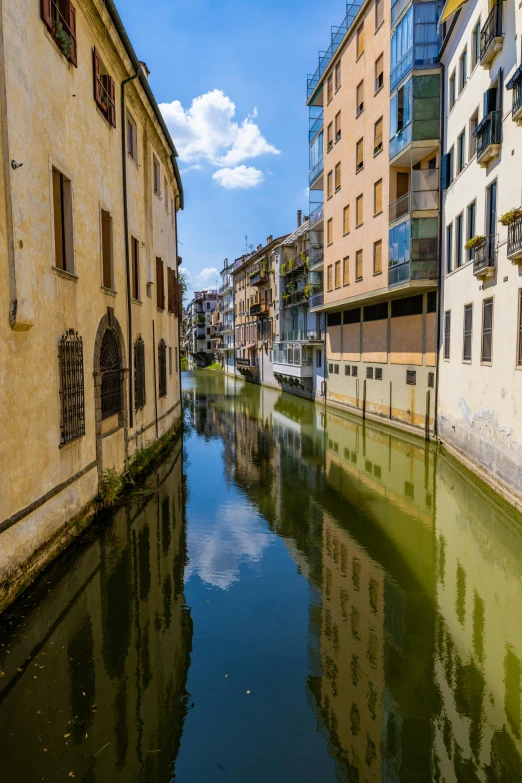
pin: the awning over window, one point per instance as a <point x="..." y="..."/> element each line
<point x="450" y="8"/>
<point x="250" y="345"/>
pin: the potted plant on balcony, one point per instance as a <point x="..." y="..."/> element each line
<point x="510" y="217"/>
<point x="474" y="242"/>
<point x="283" y="269"/>
<point x="290" y="264"/>
<point x="306" y="291"/>
<point x="291" y="288"/>
<point x="303" y="255"/>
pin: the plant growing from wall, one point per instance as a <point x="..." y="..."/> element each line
<point x="306" y="291"/>
<point x="476" y="241"/>
<point x="303" y="255"/>
<point x="291" y="262"/>
<point x="291" y="288"/>
<point x="283" y="269"/>
<point x="508" y="218"/>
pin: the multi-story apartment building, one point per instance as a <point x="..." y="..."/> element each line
<point x="255" y="287"/>
<point x="88" y="280"/>
<point x="226" y="291"/>
<point x="201" y="332"/>
<point x="379" y="80"/>
<point x="481" y="318"/>
<point x="298" y="360"/>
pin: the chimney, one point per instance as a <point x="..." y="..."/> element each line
<point x="145" y="69"/>
<point x="269" y="239"/>
<point x="299" y="218"/>
<point x="260" y="246"/>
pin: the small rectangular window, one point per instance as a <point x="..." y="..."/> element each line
<point x="359" y="155"/>
<point x="360" y="41"/>
<point x="62" y="221"/>
<point x="447" y="334"/>
<point x="346" y="271"/>
<point x="459" y="238"/>
<point x="379" y="13"/>
<point x="330" y="368"/>
<point x="166" y="192"/>
<point x="346" y="220"/>
<point x="354" y="370"/>
<point x="377" y="197"/>
<point x="463" y="70"/>
<point x="377" y="136"/>
<point x="347" y="369"/>
<point x="329" y="137"/>
<point x="338" y="126"/>
<point x="156" y="176"/>
<point x="472" y="140"/>
<point x="377" y="257"/>
<point x="337" y="75"/>
<point x="329" y="88"/>
<point x="461" y="151"/>
<point x="449" y="248"/>
<point x="369" y="372"/>
<point x="378" y="373"/>
<point x="104" y="89"/>
<point x="487" y="331"/>
<point x="472" y="211"/>
<point x="475" y="45"/>
<point x="431" y="380"/>
<point x="329" y="185"/>
<point x="337" y="274"/>
<point x="132" y="138"/>
<point x="379" y="72"/>
<point x="452" y="94"/>
<point x="318" y="358"/>
<point x="329" y="278"/>
<point x="468" y="329"/>
<point x="359" y="101"/>
<point x="336" y="369"/>
<point x="160" y="285"/>
<point x="106" y="248"/>
<point x="170" y="360"/>
<point x="359" y="265"/>
<point x="359" y="211"/>
<point x="411" y="377"/>
<point x="135" y="268"/>
<point x="329" y="231"/>
<point x="337" y="177"/>
<point x="60" y="19"/>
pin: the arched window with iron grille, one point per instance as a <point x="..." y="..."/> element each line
<point x="72" y="418"/>
<point x="139" y="373"/>
<point x="162" y="368"/>
<point x="110" y="367"/>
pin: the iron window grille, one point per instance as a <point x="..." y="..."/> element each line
<point x="162" y="368"/>
<point x="139" y="374"/>
<point x="110" y="367"/>
<point x="378" y="373"/>
<point x="72" y="390"/>
<point x="431" y="380"/>
<point x="354" y="371"/>
<point x="411" y="377"/>
<point x="369" y="372"/>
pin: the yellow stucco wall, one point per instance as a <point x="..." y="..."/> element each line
<point x="406" y="340"/>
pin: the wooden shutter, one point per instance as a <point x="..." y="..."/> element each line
<point x="329" y="89"/>
<point x="360" y="40"/>
<point x="337" y="274"/>
<point x="170" y="304"/>
<point x="112" y="101"/>
<point x="346" y="219"/>
<point x="377" y="257"/>
<point x="329" y="185"/>
<point x="160" y="289"/>
<point x="96" y="76"/>
<point x="379" y="13"/>
<point x="377" y="193"/>
<point x="359" y="211"/>
<point x="46" y="12"/>
<point x="377" y="142"/>
<point x="346" y="271"/>
<point x="72" y="28"/>
<point x="329" y="231"/>
<point x="359" y="159"/>
<point x="403" y="183"/>
<point x="360" y="97"/>
<point x="329" y="278"/>
<point x="358" y="265"/>
<point x="337" y="176"/>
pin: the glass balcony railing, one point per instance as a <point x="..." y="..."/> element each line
<point x="424" y="195"/>
<point x="316" y="123"/>
<point x="316" y="300"/>
<point x="316" y="213"/>
<point x="412" y="270"/>
<point x="338" y="34"/>
<point x="316" y="170"/>
<point x="293" y="355"/>
<point x="403" y="67"/>
<point x="303" y="335"/>
<point x="316" y="255"/>
<point x="401" y="140"/>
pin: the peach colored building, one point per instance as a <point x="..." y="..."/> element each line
<point x="374" y="205"/>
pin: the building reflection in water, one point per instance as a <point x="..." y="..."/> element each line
<point x="95" y="675"/>
<point x="415" y="637"/>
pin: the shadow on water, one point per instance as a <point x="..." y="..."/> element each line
<point x="411" y="636"/>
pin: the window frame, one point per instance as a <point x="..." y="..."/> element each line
<point x="346" y="219"/>
<point x="378" y="75"/>
<point x="487" y="301"/>
<point x="107" y="284"/>
<point x="132" y="147"/>
<point x="104" y="89"/>
<point x="66" y="206"/>
<point x="156" y="175"/>
<point x="446" y="342"/>
<point x="468" y="307"/>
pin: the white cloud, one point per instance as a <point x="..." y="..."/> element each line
<point x="185" y="271"/>
<point x="195" y="167"/>
<point x="207" y="275"/>
<point x="238" y="177"/>
<point x="208" y="131"/>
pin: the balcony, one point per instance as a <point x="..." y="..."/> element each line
<point x="397" y="9"/>
<point x="316" y="214"/>
<point x="316" y="256"/>
<point x="226" y="286"/>
<point x="491" y="36"/>
<point x="316" y="123"/>
<point x="294" y="299"/>
<point x="303" y="336"/>
<point x="200" y="336"/>
<point x="485" y="261"/>
<point x="402" y="69"/>
<point x="292" y="359"/>
<point x="488" y="137"/>
<point x="295" y="266"/>
<point x="514" y="246"/>
<point x="515" y="84"/>
<point x="316" y="171"/>
<point x="423" y="197"/>
<point x="259" y="309"/>
<point x="316" y="300"/>
<point x="259" y="274"/>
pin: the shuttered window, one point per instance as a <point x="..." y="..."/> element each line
<point x="346" y="270"/>
<point x="379" y="13"/>
<point x="337" y="75"/>
<point x="329" y="88"/>
<point x="60" y="19"/>
<point x="360" y="40"/>
<point x="377" y="136"/>
<point x="359" y="265"/>
<point x="338" y="126"/>
<point x="520" y="329"/>
<point x="359" y="211"/>
<point x="346" y="219"/>
<point x="377" y="197"/>
<point x="329" y="185"/>
<point x="359" y="100"/>
<point x="487" y="331"/>
<point x="447" y="334"/>
<point x="337" y="274"/>
<point x="329" y="137"/>
<point x="377" y="257"/>
<point x="104" y="89"/>
<point x="379" y="72"/>
<point x="329" y="282"/>
<point x="359" y="155"/>
<point x="329" y="231"/>
<point x="337" y="176"/>
<point x="160" y="285"/>
<point x="468" y="330"/>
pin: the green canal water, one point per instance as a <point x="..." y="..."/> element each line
<point x="296" y="596"/>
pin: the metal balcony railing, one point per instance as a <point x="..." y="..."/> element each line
<point x="297" y="267"/>
<point x="316" y="213"/>
<point x="303" y="336"/>
<point x="259" y="309"/>
<point x="316" y="123"/>
<point x="492" y="29"/>
<point x="399" y="208"/>
<point x="316" y="300"/>
<point x="295" y="298"/>
<point x="486" y="256"/>
<point x="517" y="97"/>
<point x="316" y="255"/>
<point x="514" y="247"/>
<point x="338" y="34"/>
<point x="488" y="132"/>
<point x="316" y="170"/>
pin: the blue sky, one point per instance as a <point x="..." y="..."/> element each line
<point x="253" y="56"/>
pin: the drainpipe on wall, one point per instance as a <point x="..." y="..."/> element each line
<point x="127" y="252"/>
<point x="440" y="277"/>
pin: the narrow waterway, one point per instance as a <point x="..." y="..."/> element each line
<point x="292" y="596"/>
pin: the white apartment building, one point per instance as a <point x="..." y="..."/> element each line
<point x="201" y="337"/>
<point x="480" y="361"/>
<point x="227" y="344"/>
